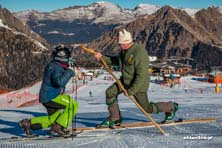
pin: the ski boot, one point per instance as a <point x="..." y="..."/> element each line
<point x="109" y="123"/>
<point x="58" y="129"/>
<point x="26" y="125"/>
<point x="169" y="116"/>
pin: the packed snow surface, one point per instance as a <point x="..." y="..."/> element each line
<point x="196" y="100"/>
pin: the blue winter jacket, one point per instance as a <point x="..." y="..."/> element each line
<point x="54" y="81"/>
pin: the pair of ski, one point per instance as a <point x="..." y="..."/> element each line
<point x="83" y="132"/>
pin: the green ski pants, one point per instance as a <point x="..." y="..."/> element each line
<point x="62" y="116"/>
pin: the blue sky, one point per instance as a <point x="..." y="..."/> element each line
<point x="50" y="5"/>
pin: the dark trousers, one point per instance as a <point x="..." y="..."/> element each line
<point x="141" y="97"/>
<point x="111" y="100"/>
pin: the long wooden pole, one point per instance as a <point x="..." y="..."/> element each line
<point x="93" y="52"/>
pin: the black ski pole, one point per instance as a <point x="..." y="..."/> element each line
<point x="75" y="87"/>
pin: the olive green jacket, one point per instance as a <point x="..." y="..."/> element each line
<point x="134" y="64"/>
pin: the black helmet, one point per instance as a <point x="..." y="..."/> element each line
<point x="61" y="53"/>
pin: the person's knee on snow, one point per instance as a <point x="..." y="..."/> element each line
<point x="169" y="108"/>
<point x="165" y="106"/>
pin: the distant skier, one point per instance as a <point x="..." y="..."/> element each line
<point x="61" y="108"/>
<point x="90" y="93"/>
<point x="172" y="77"/>
<point x="133" y="60"/>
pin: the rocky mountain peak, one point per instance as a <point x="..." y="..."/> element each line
<point x="23" y="53"/>
<point x="168" y="11"/>
<point x="211" y="20"/>
<point x="24" y="16"/>
<point x="12" y="22"/>
<point x="171" y="32"/>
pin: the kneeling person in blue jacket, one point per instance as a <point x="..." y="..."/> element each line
<point x="61" y="108"/>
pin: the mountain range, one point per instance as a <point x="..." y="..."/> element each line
<point x="82" y="24"/>
<point x="171" y="32"/>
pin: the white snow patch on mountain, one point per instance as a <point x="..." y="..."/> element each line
<point x="190" y="11"/>
<point x="40" y="24"/>
<point x="20" y="33"/>
<point x="54" y="32"/>
<point x="3" y="25"/>
<point x="142" y="9"/>
<point x="57" y="32"/>
<point x="220" y="9"/>
<point x="69" y="34"/>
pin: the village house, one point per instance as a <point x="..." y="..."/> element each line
<point x="170" y="71"/>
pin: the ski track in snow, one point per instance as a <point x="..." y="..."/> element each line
<point x="193" y="104"/>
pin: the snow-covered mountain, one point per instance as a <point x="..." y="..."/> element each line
<point x="99" y="12"/>
<point x="82" y="24"/>
<point x="25" y="15"/>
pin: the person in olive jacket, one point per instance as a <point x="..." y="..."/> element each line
<point x="133" y="61"/>
<point x="61" y="108"/>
